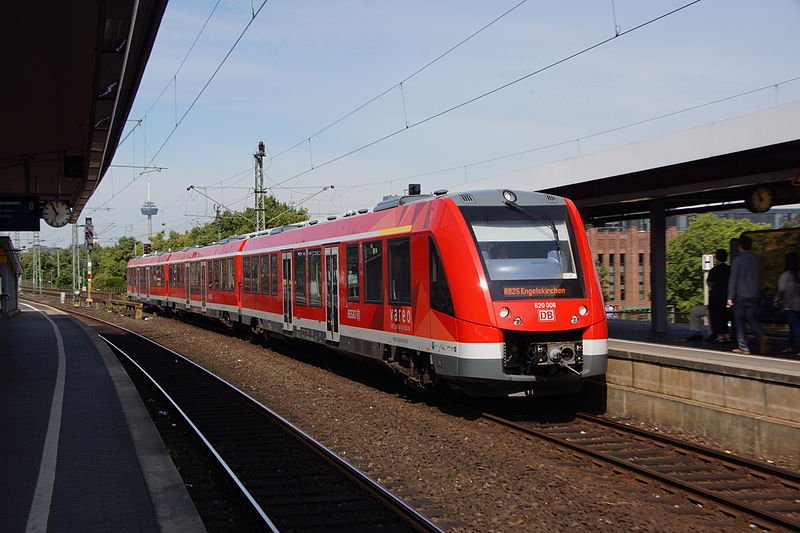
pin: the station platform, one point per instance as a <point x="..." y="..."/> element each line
<point x="80" y="452"/>
<point x="747" y="403"/>
<point x="631" y="338"/>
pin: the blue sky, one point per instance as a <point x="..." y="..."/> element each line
<point x="304" y="64"/>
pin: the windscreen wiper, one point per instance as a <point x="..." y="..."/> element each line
<point x="549" y="221"/>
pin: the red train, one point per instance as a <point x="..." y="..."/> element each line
<point x="494" y="292"/>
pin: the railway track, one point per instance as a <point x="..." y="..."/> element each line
<point x="768" y="494"/>
<point x="290" y="481"/>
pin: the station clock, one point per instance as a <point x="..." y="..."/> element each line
<point x="759" y="200"/>
<point x="56" y="213"/>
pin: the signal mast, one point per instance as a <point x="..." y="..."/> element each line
<point x="260" y="192"/>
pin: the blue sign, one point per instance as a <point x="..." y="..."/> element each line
<point x="19" y="214"/>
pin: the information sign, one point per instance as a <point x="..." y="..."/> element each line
<point x="19" y="214"/>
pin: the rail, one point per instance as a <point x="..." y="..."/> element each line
<point x="769" y="494"/>
<point x="292" y="481"/>
<point x="109" y="300"/>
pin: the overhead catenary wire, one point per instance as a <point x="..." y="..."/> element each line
<point x="572" y="140"/>
<point x="398" y="84"/>
<point x="196" y="98"/>
<point x="490" y="92"/>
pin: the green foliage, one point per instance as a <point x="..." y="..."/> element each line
<point x="230" y="223"/>
<point x="772" y="247"/>
<point x="602" y="274"/>
<point x="106" y="282"/>
<point x="704" y="235"/>
<point x="64" y="280"/>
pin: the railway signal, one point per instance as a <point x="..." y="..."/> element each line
<point x="88" y="233"/>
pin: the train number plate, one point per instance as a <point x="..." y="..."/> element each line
<point x="547" y="315"/>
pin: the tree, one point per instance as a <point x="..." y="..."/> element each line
<point x="230" y="223"/>
<point x="704" y="235"/>
<point x="602" y="274"/>
<point x="109" y="263"/>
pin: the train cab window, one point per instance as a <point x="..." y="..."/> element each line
<point x="400" y="271"/>
<point x="530" y="247"/>
<point x="373" y="272"/>
<point x="300" y="277"/>
<point x="314" y="277"/>
<point x="440" y="291"/>
<point x="353" y="281"/>
<point x="517" y="246"/>
<point x="273" y="274"/>
<point x="246" y="275"/>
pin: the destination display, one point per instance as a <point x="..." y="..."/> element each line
<point x="19" y="214"/>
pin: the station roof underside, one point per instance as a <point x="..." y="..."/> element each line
<point x="72" y="71"/>
<point x="712" y="167"/>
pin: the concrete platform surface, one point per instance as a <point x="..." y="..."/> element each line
<point x="79" y="451"/>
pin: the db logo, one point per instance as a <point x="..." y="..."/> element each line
<point x="547" y="315"/>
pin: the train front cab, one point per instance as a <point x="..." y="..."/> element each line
<point x="528" y="308"/>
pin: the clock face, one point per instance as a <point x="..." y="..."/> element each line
<point x="56" y="213"/>
<point x="759" y="200"/>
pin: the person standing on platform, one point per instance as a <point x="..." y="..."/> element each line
<point x="787" y="297"/>
<point x="744" y="294"/>
<point x="696" y="316"/>
<point x="718" y="311"/>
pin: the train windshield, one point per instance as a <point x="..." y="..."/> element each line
<point x="527" y="251"/>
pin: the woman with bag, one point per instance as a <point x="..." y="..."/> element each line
<point x="787" y="297"/>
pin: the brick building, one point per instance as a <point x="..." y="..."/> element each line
<point x="624" y="253"/>
<point x="623" y="250"/>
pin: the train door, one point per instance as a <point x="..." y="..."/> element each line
<point x="287" y="290"/>
<point x="187" y="281"/>
<point x="203" y="285"/>
<point x="332" y="293"/>
<point x="147" y="280"/>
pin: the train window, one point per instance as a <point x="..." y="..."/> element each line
<point x="156" y="276"/>
<point x="353" y="294"/>
<point x="300" y="277"/>
<point x="314" y="278"/>
<point x="273" y="274"/>
<point x="440" y="291"/>
<point x="215" y="275"/>
<point x="527" y="250"/>
<point x="520" y="246"/>
<point x="373" y="272"/>
<point x="400" y="271"/>
<point x="263" y="269"/>
<point x="254" y="279"/>
<point x="194" y="277"/>
<point x="246" y="279"/>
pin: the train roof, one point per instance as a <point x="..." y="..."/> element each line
<point x="383" y="219"/>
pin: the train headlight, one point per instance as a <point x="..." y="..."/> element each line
<point x="574" y="319"/>
<point x="504" y="312"/>
<point x="583" y="310"/>
<point x="509" y="196"/>
<point x="517" y="321"/>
